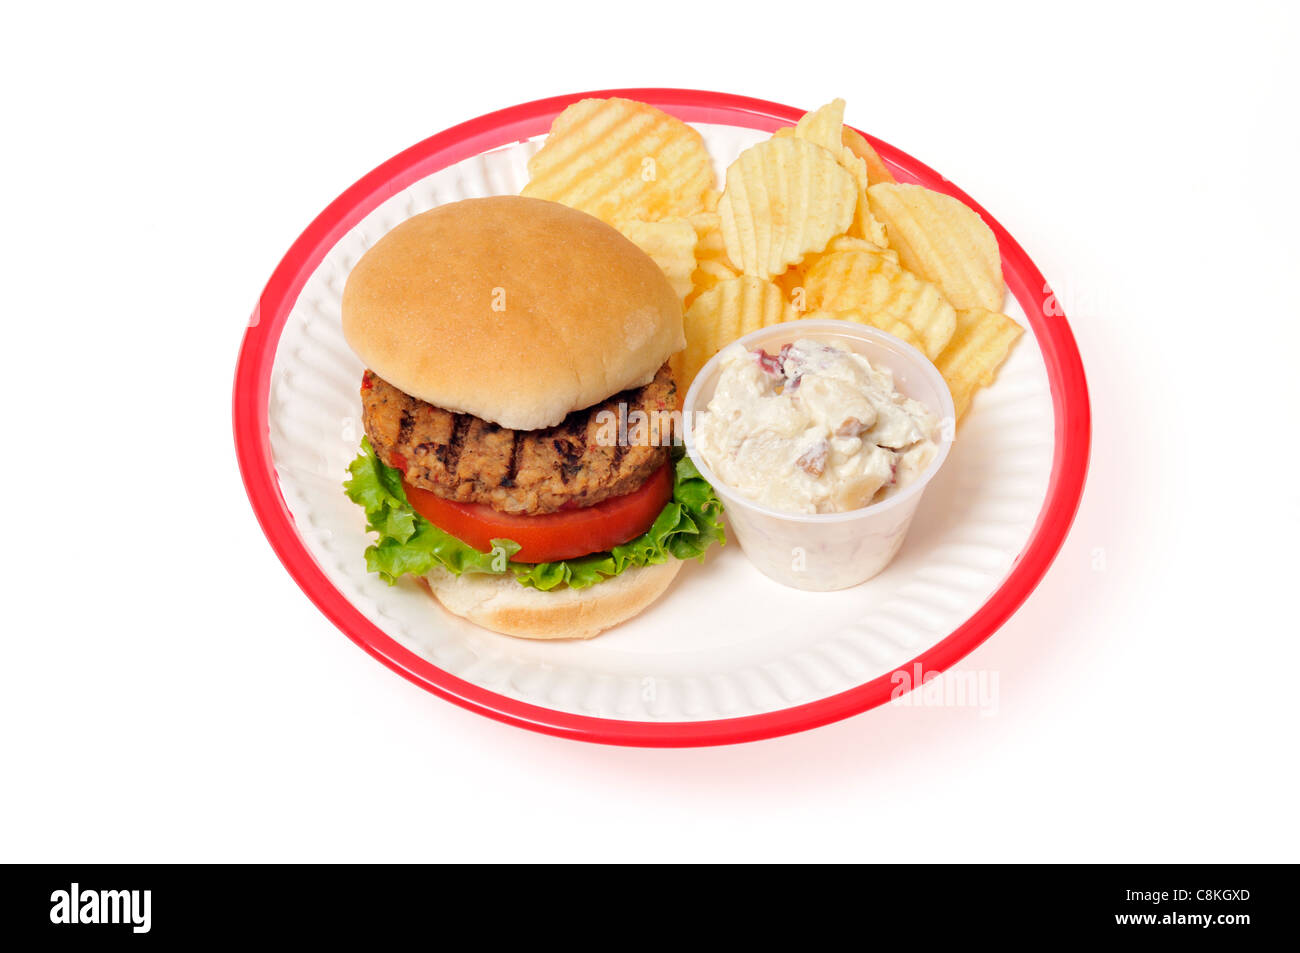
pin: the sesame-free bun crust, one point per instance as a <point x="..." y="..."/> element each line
<point x="516" y="310"/>
<point x="499" y="603"/>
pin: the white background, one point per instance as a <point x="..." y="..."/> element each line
<point x="167" y="693"/>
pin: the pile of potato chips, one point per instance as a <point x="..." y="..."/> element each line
<point x="810" y="224"/>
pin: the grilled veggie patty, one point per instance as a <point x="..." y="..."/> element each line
<point x="464" y="458"/>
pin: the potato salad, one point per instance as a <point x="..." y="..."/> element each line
<point x="814" y="428"/>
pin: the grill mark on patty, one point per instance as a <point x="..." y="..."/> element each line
<point x="568" y="447"/>
<point x="459" y="428"/>
<point x="461" y="457"/>
<point x="512" y="468"/>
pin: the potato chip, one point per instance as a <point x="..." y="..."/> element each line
<point x="793" y="280"/>
<point x="865" y="225"/>
<point x="705" y="222"/>
<point x="857" y="144"/>
<point x="849" y="243"/>
<point x="822" y="126"/>
<point x="880" y="320"/>
<point x="784" y="197"/>
<point x="712" y="263"/>
<point x="980" y="344"/>
<point x="943" y="241"/>
<point x="617" y="159"/>
<point x="671" y="243"/>
<point x="709" y="243"/>
<point x="708" y="273"/>
<point x="858" y="279"/>
<point x="825" y="127"/>
<point x="727" y="311"/>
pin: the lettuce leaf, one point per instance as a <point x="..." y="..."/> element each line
<point x="408" y="543"/>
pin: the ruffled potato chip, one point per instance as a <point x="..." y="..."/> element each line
<point x="880" y="320"/>
<point x="981" y="342"/>
<point x="709" y="244"/>
<point x="671" y="243"/>
<point x="729" y="310"/>
<point x="708" y="273"/>
<point x="784" y="197"/>
<point x="825" y="127"/>
<point x="845" y="280"/>
<point x="857" y="144"/>
<point x="822" y="126"/>
<point x="850" y="243"/>
<point x="944" y="241"/>
<point x="617" y="160"/>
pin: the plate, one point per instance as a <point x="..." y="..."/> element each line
<point x="725" y="655"/>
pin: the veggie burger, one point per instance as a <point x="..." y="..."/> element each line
<point x="508" y="343"/>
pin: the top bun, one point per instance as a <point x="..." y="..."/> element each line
<point x="516" y="310"/>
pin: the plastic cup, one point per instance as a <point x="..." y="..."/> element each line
<point x="825" y="551"/>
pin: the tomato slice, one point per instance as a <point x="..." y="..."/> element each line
<point x="549" y="537"/>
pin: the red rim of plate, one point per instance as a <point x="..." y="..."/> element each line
<point x="518" y="123"/>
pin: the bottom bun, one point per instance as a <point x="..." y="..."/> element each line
<point x="499" y="603"/>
